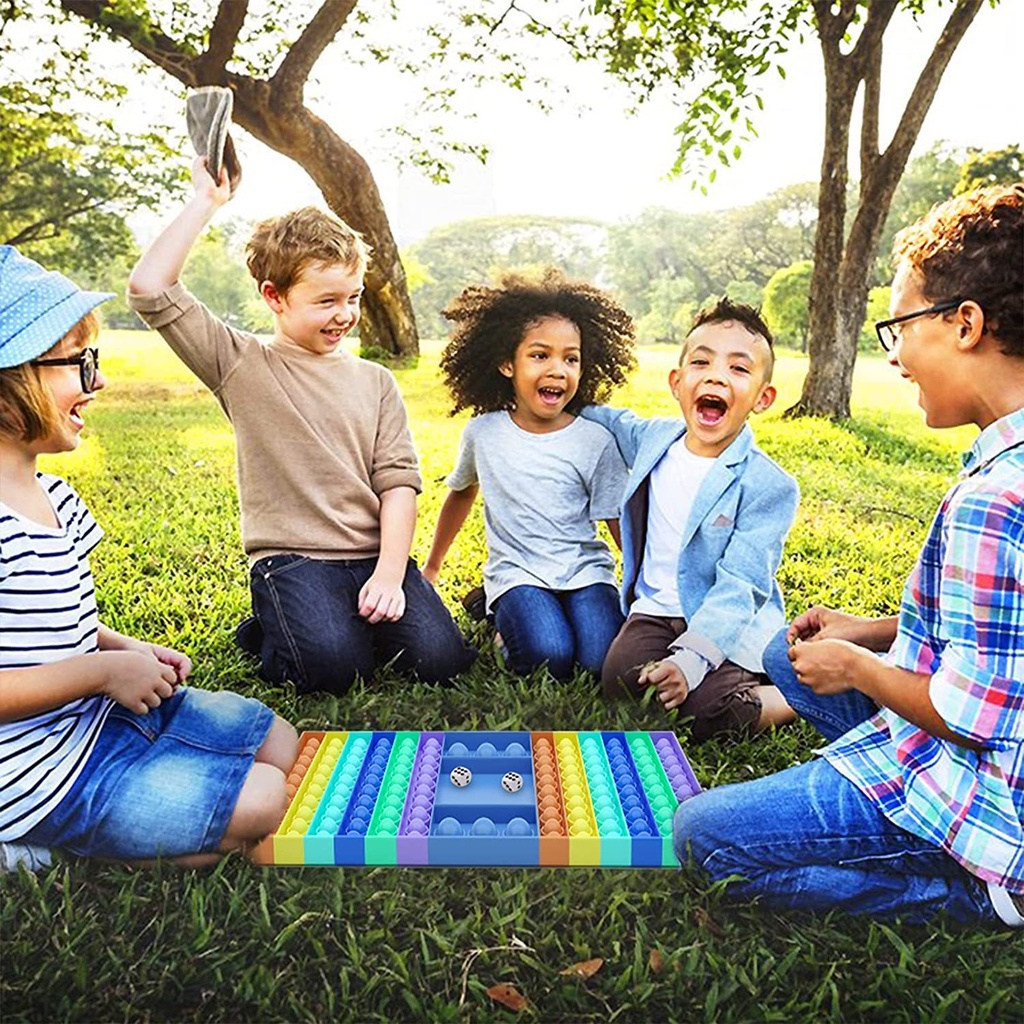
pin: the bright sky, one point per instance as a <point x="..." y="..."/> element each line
<point x="588" y="157"/>
<point x="605" y="164"/>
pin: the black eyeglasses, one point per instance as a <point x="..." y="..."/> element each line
<point x="87" y="361"/>
<point x="886" y="329"/>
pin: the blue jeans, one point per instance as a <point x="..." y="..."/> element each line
<point x="807" y="839"/>
<point x="311" y="632"/>
<point x="160" y="784"/>
<point x="831" y="716"/>
<point x="558" y="627"/>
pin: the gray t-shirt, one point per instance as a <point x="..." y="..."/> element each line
<point x="543" y="494"/>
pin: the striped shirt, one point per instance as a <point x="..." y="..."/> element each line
<point x="47" y="613"/>
<point x="961" y="622"/>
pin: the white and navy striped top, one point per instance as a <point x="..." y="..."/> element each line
<point x="47" y="613"/>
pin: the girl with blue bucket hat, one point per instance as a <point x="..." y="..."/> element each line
<point x="104" y="751"/>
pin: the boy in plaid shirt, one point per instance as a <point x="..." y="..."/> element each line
<point x="917" y="804"/>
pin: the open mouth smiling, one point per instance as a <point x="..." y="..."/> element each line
<point x="551" y="395"/>
<point x="711" y="410"/>
<point x="76" y="414"/>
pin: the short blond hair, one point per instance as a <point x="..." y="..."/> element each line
<point x="27" y="409"/>
<point x="282" y="247"/>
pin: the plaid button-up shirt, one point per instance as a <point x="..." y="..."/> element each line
<point x="961" y="622"/>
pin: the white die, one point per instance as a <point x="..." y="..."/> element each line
<point x="512" y="782"/>
<point x="461" y="776"/>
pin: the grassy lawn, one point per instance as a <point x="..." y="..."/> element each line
<point x="94" y="942"/>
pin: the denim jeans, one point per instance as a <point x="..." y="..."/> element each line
<point x="313" y="634"/>
<point x="807" y="839"/>
<point x="160" y="784"/>
<point x="830" y="715"/>
<point x="560" y="628"/>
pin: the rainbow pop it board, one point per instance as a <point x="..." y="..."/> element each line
<point x="597" y="798"/>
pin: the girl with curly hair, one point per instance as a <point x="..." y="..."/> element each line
<point x="525" y="356"/>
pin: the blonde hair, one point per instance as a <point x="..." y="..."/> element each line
<point x="27" y="409"/>
<point x="282" y="247"/>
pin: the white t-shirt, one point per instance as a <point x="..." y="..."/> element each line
<point x="47" y="613"/>
<point x="543" y="494"/>
<point x="672" y="489"/>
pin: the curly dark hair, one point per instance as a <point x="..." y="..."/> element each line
<point x="972" y="247"/>
<point x="491" y="322"/>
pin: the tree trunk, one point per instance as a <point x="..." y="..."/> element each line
<point x="839" y="284"/>
<point x="826" y="390"/>
<point x="273" y="111"/>
<point x="348" y="187"/>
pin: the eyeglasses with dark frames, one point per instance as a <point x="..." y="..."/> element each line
<point x="886" y="329"/>
<point x="87" y="361"/>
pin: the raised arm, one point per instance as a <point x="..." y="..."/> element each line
<point x="160" y="265"/>
<point x="453" y="514"/>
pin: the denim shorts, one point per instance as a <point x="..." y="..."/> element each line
<point x="161" y="784"/>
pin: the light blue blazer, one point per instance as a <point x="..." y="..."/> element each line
<point x="731" y="547"/>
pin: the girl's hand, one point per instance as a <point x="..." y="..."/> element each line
<point x="181" y="663"/>
<point x="382" y="599"/>
<point x="430" y="575"/>
<point x="668" y="679"/>
<point x="827" y="666"/>
<point x="136" y="679"/>
<point x="216" y="192"/>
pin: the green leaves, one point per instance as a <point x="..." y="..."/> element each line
<point x="710" y="55"/>
<point x="68" y="179"/>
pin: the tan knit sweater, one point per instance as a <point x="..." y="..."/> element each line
<point x="318" y="437"/>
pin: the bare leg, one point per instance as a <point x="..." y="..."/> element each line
<point x="260" y="807"/>
<point x="281" y="746"/>
<point x="261" y="803"/>
<point x="774" y="709"/>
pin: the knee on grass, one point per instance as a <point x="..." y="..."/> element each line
<point x="696" y="834"/>
<point x="620" y="680"/>
<point x="559" y="661"/>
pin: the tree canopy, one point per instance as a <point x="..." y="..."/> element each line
<point x="69" y="178"/>
<point x="723" y="49"/>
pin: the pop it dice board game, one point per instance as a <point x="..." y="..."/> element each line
<point x="597" y="798"/>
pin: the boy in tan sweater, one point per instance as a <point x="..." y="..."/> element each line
<point x="327" y="473"/>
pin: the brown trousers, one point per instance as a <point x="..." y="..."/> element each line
<point x="725" y="701"/>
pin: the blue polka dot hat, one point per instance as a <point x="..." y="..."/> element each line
<point x="37" y="307"/>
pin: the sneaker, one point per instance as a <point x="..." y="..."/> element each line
<point x="1009" y="906"/>
<point x="475" y="603"/>
<point x="26" y="855"/>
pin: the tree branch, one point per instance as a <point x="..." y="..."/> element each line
<point x="305" y="51"/>
<point x="223" y="37"/>
<point x="144" y="37"/>
<point x="928" y="81"/>
<point x="877" y="21"/>
<point x="33" y="232"/>
<point x="832" y="27"/>
<point x="872" y="77"/>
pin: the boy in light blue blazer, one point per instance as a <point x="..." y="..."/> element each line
<point x="704" y="518"/>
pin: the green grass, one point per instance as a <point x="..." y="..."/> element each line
<point x="86" y="941"/>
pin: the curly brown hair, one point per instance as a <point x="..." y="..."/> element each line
<point x="972" y="247"/>
<point x="491" y="322"/>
